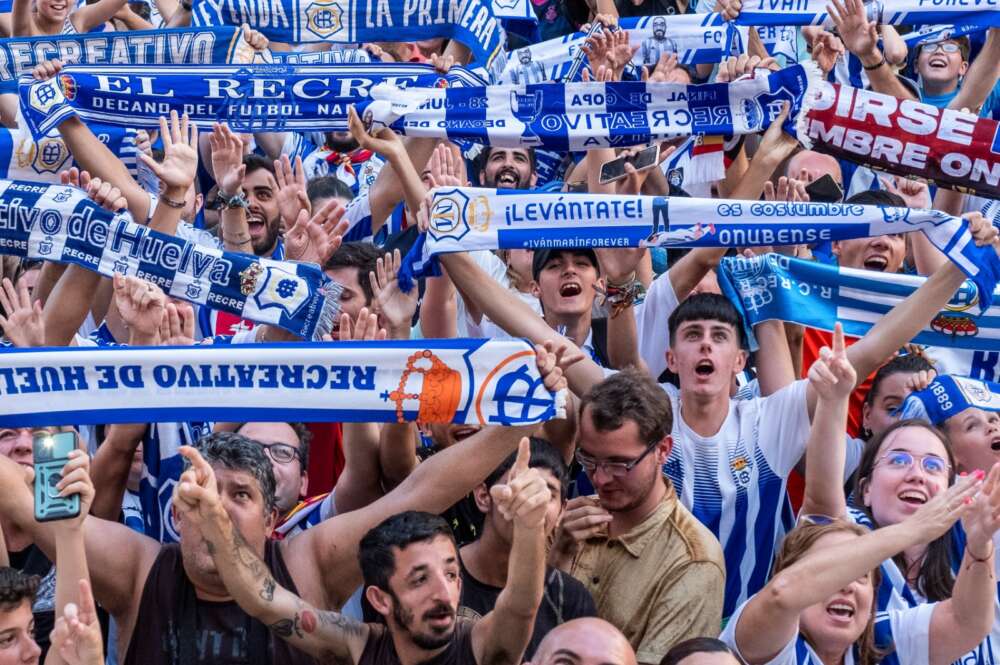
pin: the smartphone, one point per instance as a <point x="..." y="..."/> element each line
<point x="51" y="453"/>
<point x="615" y="169"/>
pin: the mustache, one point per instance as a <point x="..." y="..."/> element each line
<point x="440" y="609"/>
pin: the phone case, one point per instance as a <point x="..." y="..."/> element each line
<point x="49" y="463"/>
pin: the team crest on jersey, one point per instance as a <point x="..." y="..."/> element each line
<point x="741" y="467"/>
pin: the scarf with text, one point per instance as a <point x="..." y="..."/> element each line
<point x="948" y="396"/>
<point x="888" y="12"/>
<point x="694" y="38"/>
<point x="184" y="46"/>
<point x="465" y="219"/>
<point x="22" y="157"/>
<point x="904" y="137"/>
<point x="817" y="295"/>
<point x="266" y="97"/>
<point x="468" y="381"/>
<point x="472" y="22"/>
<point x="60" y="224"/>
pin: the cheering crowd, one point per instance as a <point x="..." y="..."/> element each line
<point x="720" y="490"/>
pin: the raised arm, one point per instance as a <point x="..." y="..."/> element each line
<point x="22" y="22"/>
<point x="111" y="466"/>
<point x="229" y="170"/>
<point x="770" y="619"/>
<point x="860" y="36"/>
<point x="90" y="16"/>
<point x="982" y="76"/>
<point x="329" y="636"/>
<point x="502" y="635"/>
<point x="176" y="172"/>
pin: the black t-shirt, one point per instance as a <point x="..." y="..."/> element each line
<point x="31" y="561"/>
<point x="651" y="8"/>
<point x="465" y="518"/>
<point x="565" y="598"/>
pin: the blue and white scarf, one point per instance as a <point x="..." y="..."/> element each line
<point x="248" y="98"/>
<point x="479" y="382"/>
<point x="695" y="38"/>
<point x="817" y="295"/>
<point x="59" y="223"/>
<point x="948" y="396"/>
<point x="184" y="46"/>
<point x="936" y="33"/>
<point x="472" y="22"/>
<point x="465" y="219"/>
<point x="579" y="116"/>
<point x="890" y="12"/>
<point x="22" y="157"/>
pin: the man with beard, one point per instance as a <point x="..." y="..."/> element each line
<point x="508" y="168"/>
<point x="411" y="577"/>
<point x="656" y="573"/>
<point x="256" y="192"/>
<point x="657" y="45"/>
<point x="527" y="71"/>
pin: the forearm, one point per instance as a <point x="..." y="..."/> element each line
<point x="22" y="24"/>
<point x="181" y="18"/>
<point x="166" y="217"/>
<point x="358" y="484"/>
<point x="272" y="143"/>
<point x="961" y="622"/>
<point x="414" y="190"/>
<point x="981" y="77"/>
<point x="47" y="279"/>
<point x="390" y="187"/>
<point x="110" y="468"/>
<point x="439" y="309"/>
<point x="71" y="566"/>
<point x="893" y="46"/>
<point x="825" y="459"/>
<point x="522" y="595"/>
<point x="67" y="306"/>
<point x="90" y="16"/>
<point x="397" y="452"/>
<point x="775" y="369"/>
<point x="623" y="340"/>
<point x="883" y="79"/>
<point x="926" y="257"/>
<point x="236" y="231"/>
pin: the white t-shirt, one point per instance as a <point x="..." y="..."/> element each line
<point x="735" y="481"/>
<point x="651" y="323"/>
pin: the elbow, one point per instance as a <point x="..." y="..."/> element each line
<point x="780" y="593"/>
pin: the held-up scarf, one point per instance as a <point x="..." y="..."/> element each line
<point x="22" y="157"/>
<point x="465" y="219"/>
<point x="935" y="33"/>
<point x="470" y="381"/>
<point x="184" y="46"/>
<point x="248" y="98"/>
<point x="948" y="396"/>
<point x="947" y="147"/>
<point x="890" y="12"/>
<point x="472" y="22"/>
<point x="776" y="287"/>
<point x="695" y="38"/>
<point x="58" y="223"/>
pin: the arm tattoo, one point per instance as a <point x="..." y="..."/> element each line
<point x="288" y="627"/>
<point x="267" y="591"/>
<point x="350" y="627"/>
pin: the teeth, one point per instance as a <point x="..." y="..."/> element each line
<point x="916" y="496"/>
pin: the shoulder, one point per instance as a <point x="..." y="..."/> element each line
<point x="702" y="546"/>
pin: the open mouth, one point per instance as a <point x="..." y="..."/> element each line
<point x="256" y="224"/>
<point x="840" y="610"/>
<point x="913" y="497"/>
<point x="876" y="262"/>
<point x="995" y="445"/>
<point x="508" y="178"/>
<point x="938" y="63"/>
<point x="704" y="368"/>
<point x="570" y="289"/>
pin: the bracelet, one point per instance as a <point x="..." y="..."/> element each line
<point x="171" y="203"/>
<point x="977" y="559"/>
<point x="627" y="282"/>
<point x="621" y="297"/>
<point x="871" y="68"/>
<point x="235" y="241"/>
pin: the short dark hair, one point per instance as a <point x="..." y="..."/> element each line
<point x="877" y="197"/>
<point x="682" y="650"/>
<point x="706" y="307"/>
<point x="543" y="456"/>
<point x="15" y="588"/>
<point x="633" y="395"/>
<point x="327" y="187"/>
<point x="239" y="453"/>
<point x="361" y="255"/>
<point x="304" y="436"/>
<point x="255" y="162"/>
<point x="484" y="157"/>
<point x="540" y="257"/>
<point x="375" y="553"/>
<point x="909" y="363"/>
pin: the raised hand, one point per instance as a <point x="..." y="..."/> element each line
<point x="255" y="38"/>
<point x="775" y="140"/>
<point x="915" y="193"/>
<point x="832" y="376"/>
<point x="553" y="362"/>
<point x="77" y="633"/>
<point x="394" y="307"/>
<point x="826" y="50"/>
<point x="736" y="67"/>
<point x="442" y="63"/>
<point x="197" y="493"/>
<point x="920" y="380"/>
<point x="227" y="159"/>
<point x="982" y="230"/>
<point x="524" y="498"/>
<point x="76" y="480"/>
<point x="291" y="195"/>
<point x="385" y="143"/>
<point x="141" y="305"/>
<point x="664" y="70"/>
<point x="789" y="189"/>
<point x="365" y="329"/>
<point x="315" y="239"/>
<point x="43" y="71"/>
<point x="23" y="325"/>
<point x="982" y="520"/>
<point x="177" y="326"/>
<point x="621" y="52"/>
<point x="74" y="177"/>
<point x="444" y="169"/>
<point x="934" y="518"/>
<point x="598" y="48"/>
<point x="859" y="35"/>
<point x="729" y="9"/>
<point x="180" y="152"/>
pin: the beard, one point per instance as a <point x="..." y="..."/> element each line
<point x="270" y="238"/>
<point x="429" y="641"/>
<point x="340" y="141"/>
<point x="501" y="179"/>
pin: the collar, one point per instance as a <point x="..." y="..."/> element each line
<point x="636" y="540"/>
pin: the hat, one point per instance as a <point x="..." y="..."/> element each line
<point x="542" y="256"/>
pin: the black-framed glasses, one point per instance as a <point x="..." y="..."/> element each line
<point x="282" y="453"/>
<point x="901" y="459"/>
<point x="614" y="469"/>
<point x="947" y="47"/>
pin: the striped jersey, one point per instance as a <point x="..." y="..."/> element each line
<point x="735" y="481"/>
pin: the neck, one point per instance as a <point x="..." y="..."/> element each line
<point x="14" y="537"/>
<point x="913" y="557"/>
<point x="207" y="587"/>
<point x="47" y="26"/>
<point x="704" y="414"/>
<point x="832" y="656"/>
<point x="577" y="325"/>
<point x="625" y="520"/>
<point x="487" y="558"/>
<point x="936" y="89"/>
<point x="408" y="652"/>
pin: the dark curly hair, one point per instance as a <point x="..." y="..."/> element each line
<point x="15" y="588"/>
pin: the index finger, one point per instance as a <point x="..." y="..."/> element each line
<point x="838" y="339"/>
<point x="523" y="457"/>
<point x="88" y="609"/>
<point x="203" y="468"/>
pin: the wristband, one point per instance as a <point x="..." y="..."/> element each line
<point x="235" y="241"/>
<point x="171" y="203"/>
<point x="871" y="68"/>
<point x="237" y="200"/>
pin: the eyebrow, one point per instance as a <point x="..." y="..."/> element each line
<point x="567" y="653"/>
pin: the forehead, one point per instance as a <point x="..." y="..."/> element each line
<point x="260" y="178"/>
<point x="705" y="324"/>
<point x="624" y="441"/>
<point x="19" y="617"/>
<point x="271" y="433"/>
<point x="917" y="440"/>
<point x="564" y="256"/>
<point x="503" y="152"/>
<point x="436" y="551"/>
<point x="231" y="480"/>
<point x="894" y="385"/>
<point x="346" y="276"/>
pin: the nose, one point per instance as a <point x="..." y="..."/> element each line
<point x="30" y="651"/>
<point x="441" y="588"/>
<point x="600" y="477"/>
<point x="880" y="242"/>
<point x="916" y="471"/>
<point x="22" y="446"/>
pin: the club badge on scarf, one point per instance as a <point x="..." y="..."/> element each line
<point x="948" y="396"/>
<point x="184" y="46"/>
<point x="469" y="381"/>
<point x="904" y="137"/>
<point x="578" y="116"/>
<point x="22" y="157"/>
<point x="58" y="223"/>
<point x="817" y="295"/>
<point x="472" y="22"/>
<point x="890" y="12"/>
<point x="694" y="38"/>
<point x="249" y="98"/>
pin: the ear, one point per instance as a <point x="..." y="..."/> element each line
<point x="270" y="521"/>
<point x="866" y="410"/>
<point x="484" y="502"/>
<point x="304" y="492"/>
<point x="963" y="69"/>
<point x="199" y="201"/>
<point x="534" y="175"/>
<point x="835" y="247"/>
<point x="865" y="488"/>
<point x="741" y="361"/>
<point x="535" y="291"/>
<point x="663" y="449"/>
<point x="671" y="361"/>
<point x="380" y="601"/>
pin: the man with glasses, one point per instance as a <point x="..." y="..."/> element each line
<point x="940" y="67"/>
<point x="655" y="572"/>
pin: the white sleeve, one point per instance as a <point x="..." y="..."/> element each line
<point x="855" y="448"/>
<point x="784" y="427"/>
<point x="651" y="323"/>
<point x="911" y="629"/>
<point x="785" y="657"/>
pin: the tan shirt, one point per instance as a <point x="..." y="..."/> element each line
<point x="661" y="583"/>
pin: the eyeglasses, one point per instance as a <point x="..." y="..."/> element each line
<point x="282" y="453"/>
<point x="900" y="459"/>
<point x="613" y="469"/>
<point x="947" y="47"/>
